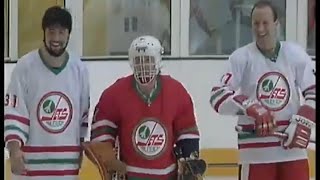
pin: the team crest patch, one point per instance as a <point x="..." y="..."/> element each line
<point x="273" y="91"/>
<point x="54" y="112"/>
<point x="150" y="138"/>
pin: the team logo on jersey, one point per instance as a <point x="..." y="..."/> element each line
<point x="54" y="112"/>
<point x="150" y="138"/>
<point x="273" y="91"/>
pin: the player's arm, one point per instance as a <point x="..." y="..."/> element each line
<point x="85" y="104"/>
<point x="104" y="127"/>
<point x="302" y="123"/>
<point x="187" y="139"/>
<point x="16" y="115"/>
<point x="104" y="123"/>
<point x="225" y="101"/>
<point x="185" y="125"/>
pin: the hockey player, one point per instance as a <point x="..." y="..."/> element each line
<point x="46" y="106"/>
<point x="261" y="86"/>
<point x="149" y="113"/>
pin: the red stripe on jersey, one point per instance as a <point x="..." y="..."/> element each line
<point x="13" y="137"/>
<point x="221" y="100"/>
<point x="36" y="149"/>
<point x="17" y="118"/>
<point x="283" y="123"/>
<point x="215" y="88"/>
<point x="53" y="173"/>
<point x="259" y="145"/>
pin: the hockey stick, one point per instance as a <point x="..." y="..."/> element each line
<point x="279" y="135"/>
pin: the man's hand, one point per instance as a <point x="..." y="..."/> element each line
<point x="299" y="132"/>
<point x="263" y="118"/>
<point x="17" y="162"/>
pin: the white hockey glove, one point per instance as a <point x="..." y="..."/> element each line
<point x="299" y="130"/>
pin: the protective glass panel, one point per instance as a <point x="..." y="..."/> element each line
<point x="30" y="18"/>
<point x="218" y="27"/>
<point x="109" y="26"/>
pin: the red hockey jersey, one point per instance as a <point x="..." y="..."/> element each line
<point x="147" y="128"/>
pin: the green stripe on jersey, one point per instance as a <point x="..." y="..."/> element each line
<point x="15" y="128"/>
<point x="52" y="161"/>
<point x="247" y="136"/>
<point x="108" y="130"/>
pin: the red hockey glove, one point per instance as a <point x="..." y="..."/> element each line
<point x="299" y="129"/>
<point x="263" y="118"/>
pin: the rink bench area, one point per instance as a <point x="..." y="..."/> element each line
<point x="222" y="162"/>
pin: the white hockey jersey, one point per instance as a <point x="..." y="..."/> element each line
<point x="276" y="85"/>
<point x="47" y="111"/>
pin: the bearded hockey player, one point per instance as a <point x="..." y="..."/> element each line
<point x="261" y="85"/>
<point x="150" y="114"/>
<point x="46" y="106"/>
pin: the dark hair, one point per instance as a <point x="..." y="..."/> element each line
<point x="57" y="15"/>
<point x="265" y="3"/>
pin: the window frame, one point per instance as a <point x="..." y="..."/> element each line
<point x="6" y="27"/>
<point x="76" y="39"/>
<point x="296" y="29"/>
<point x="13" y="30"/>
<point x="302" y="24"/>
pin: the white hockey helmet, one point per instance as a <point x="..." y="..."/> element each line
<point x="145" y="58"/>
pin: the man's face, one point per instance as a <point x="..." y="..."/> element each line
<point x="263" y="26"/>
<point x="56" y="39"/>
<point x="144" y="68"/>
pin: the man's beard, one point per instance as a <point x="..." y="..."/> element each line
<point x="55" y="53"/>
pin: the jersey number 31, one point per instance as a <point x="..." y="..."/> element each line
<point x="11" y="100"/>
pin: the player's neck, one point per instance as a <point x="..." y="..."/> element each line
<point x="52" y="61"/>
<point x="147" y="89"/>
<point x="269" y="48"/>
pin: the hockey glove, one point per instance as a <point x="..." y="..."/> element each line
<point x="263" y="118"/>
<point x="299" y="129"/>
<point x="103" y="156"/>
<point x="191" y="168"/>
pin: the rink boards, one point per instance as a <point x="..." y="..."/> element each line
<point x="221" y="162"/>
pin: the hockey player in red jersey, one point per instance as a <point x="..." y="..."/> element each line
<point x="261" y="85"/>
<point x="149" y="113"/>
